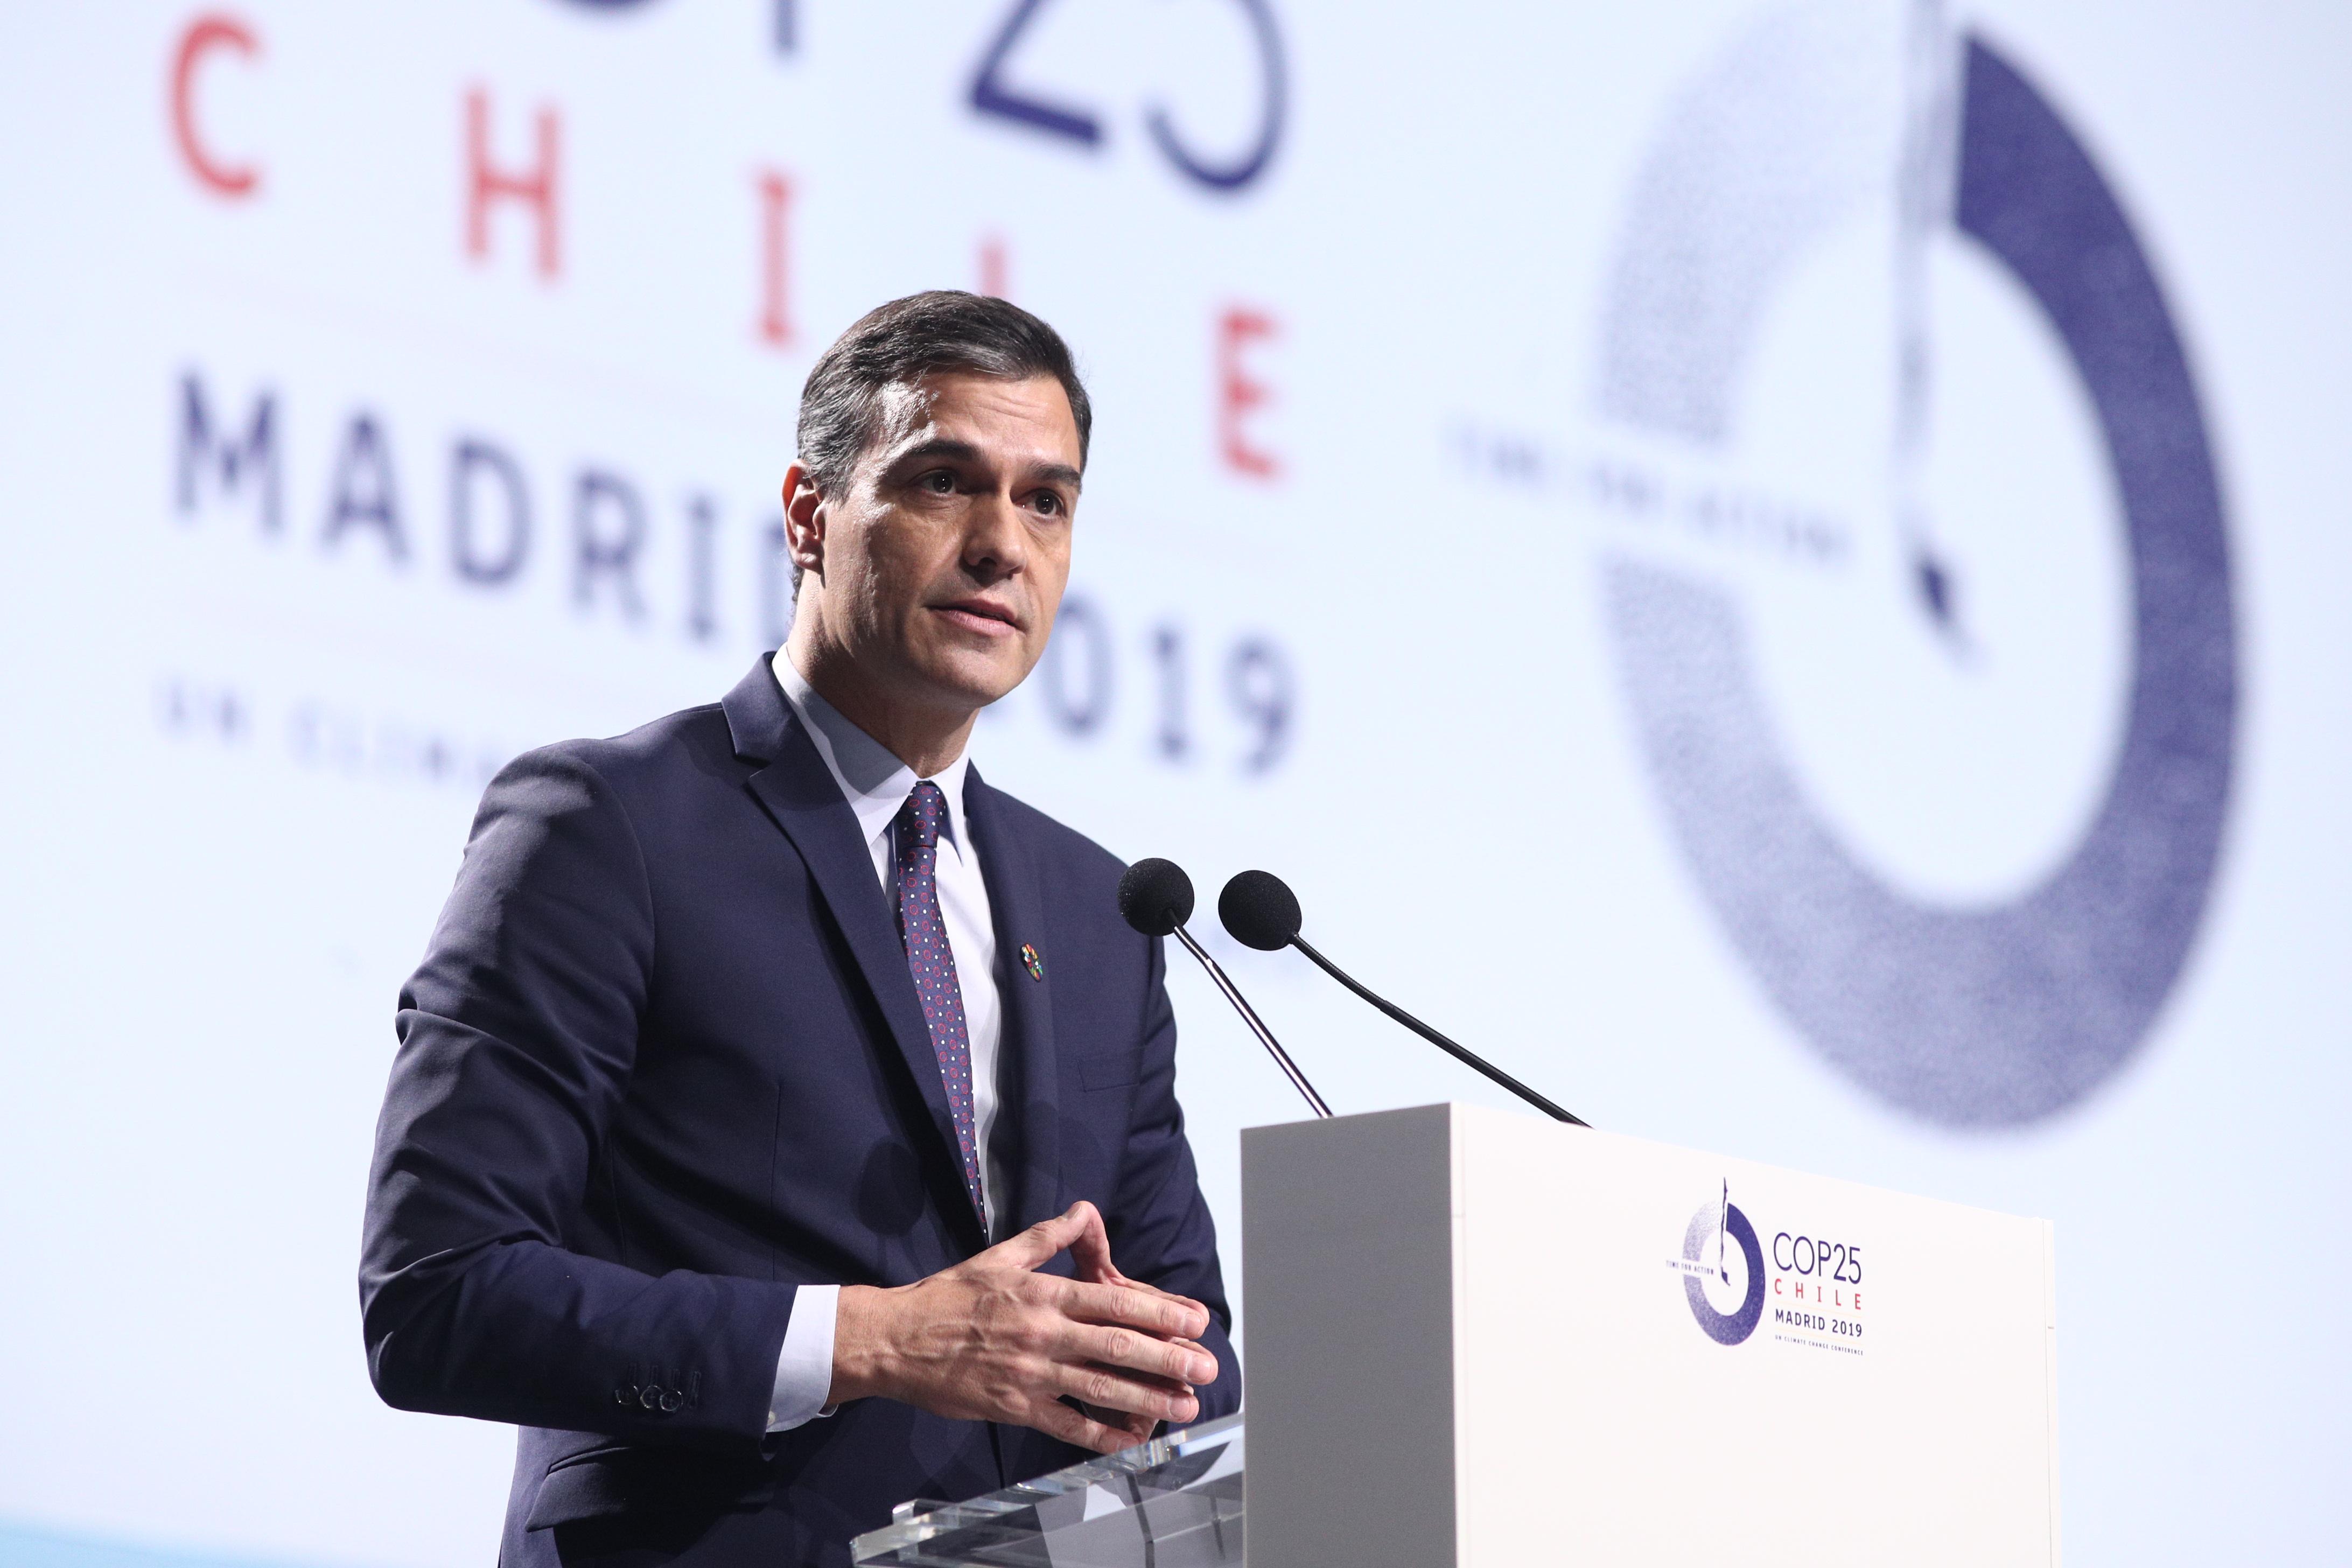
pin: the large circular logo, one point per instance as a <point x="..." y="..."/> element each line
<point x="1967" y="1013"/>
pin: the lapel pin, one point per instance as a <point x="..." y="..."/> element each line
<point x="1031" y="963"/>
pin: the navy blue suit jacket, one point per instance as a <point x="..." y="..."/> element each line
<point x="663" y="1062"/>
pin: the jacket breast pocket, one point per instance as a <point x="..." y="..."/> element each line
<point x="1108" y="1069"/>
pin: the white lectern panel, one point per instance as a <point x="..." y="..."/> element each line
<point x="1478" y="1338"/>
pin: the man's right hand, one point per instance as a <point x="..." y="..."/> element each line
<point x="993" y="1339"/>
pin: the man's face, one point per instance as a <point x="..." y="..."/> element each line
<point x="943" y="562"/>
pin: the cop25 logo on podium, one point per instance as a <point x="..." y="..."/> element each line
<point x="1730" y="1277"/>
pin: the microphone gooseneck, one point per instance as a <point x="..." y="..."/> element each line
<point x="1259" y="910"/>
<point x="1258" y="1026"/>
<point x="1155" y="896"/>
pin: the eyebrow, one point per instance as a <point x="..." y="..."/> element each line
<point x="965" y="452"/>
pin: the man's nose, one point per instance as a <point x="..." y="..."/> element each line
<point x="996" y="540"/>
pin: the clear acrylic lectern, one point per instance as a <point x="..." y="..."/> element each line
<point x="1173" y="1503"/>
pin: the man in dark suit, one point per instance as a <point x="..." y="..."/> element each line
<point x="744" y="1035"/>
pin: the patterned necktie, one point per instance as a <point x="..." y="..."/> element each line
<point x="924" y="933"/>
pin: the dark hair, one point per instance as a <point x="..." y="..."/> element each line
<point x="898" y="343"/>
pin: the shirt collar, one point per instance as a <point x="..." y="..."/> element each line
<point x="871" y="777"/>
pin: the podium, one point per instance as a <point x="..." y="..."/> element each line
<point x="1475" y="1339"/>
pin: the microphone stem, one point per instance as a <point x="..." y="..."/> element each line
<point x="1258" y="1026"/>
<point x="1467" y="1058"/>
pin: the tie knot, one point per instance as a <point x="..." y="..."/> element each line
<point x="926" y="808"/>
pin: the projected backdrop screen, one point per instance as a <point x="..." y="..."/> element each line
<point x="1772" y="568"/>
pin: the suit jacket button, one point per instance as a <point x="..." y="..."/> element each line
<point x="670" y="1401"/>
<point x="650" y="1397"/>
<point x="625" y="1394"/>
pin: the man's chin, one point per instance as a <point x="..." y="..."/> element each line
<point x="974" y="683"/>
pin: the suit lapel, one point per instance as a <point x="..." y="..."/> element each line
<point x="798" y="793"/>
<point x="1029" y="1121"/>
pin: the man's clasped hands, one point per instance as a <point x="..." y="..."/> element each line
<point x="1097" y="1359"/>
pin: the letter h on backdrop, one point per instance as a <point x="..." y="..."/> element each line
<point x="536" y="189"/>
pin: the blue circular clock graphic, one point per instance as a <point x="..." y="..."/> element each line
<point x="1989" y="1013"/>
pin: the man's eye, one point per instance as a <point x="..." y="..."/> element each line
<point x="1047" y="502"/>
<point x="938" y="481"/>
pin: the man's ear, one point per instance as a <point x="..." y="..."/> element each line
<point x="804" y="520"/>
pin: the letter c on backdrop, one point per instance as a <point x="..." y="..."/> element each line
<point x="214" y="30"/>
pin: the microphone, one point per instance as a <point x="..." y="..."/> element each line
<point x="1156" y="898"/>
<point x="1261" y="911"/>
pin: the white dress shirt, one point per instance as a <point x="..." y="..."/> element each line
<point x="876" y="785"/>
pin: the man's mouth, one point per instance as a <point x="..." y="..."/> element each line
<point x="981" y="616"/>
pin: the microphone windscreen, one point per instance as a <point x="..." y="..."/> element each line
<point x="1155" y="895"/>
<point x="1260" y="911"/>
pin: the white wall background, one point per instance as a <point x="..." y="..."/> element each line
<point x="241" y="761"/>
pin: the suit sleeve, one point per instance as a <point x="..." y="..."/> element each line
<point x="518" y="1035"/>
<point x="1161" y="1230"/>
